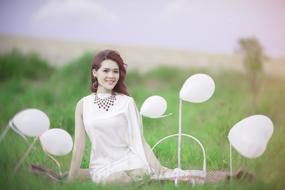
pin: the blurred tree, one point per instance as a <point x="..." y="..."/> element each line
<point x="24" y="66"/>
<point x="253" y="57"/>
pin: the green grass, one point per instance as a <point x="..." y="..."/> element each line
<point x="56" y="92"/>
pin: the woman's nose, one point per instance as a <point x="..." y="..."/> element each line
<point x="110" y="74"/>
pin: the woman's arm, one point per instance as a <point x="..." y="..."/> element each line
<point x="152" y="159"/>
<point x="79" y="143"/>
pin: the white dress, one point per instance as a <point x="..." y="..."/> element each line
<point x="115" y="136"/>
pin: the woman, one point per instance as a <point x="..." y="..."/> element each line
<point x="111" y="120"/>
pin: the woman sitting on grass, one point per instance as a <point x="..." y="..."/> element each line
<point x="110" y="118"/>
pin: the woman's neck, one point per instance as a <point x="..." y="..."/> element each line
<point x="103" y="90"/>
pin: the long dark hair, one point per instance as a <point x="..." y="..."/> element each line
<point x="114" y="56"/>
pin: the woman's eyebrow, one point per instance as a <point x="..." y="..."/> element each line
<point x="110" y="68"/>
<point x="114" y="69"/>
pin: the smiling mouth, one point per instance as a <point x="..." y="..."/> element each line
<point x="110" y="82"/>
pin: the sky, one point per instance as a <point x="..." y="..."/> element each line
<point x="212" y="26"/>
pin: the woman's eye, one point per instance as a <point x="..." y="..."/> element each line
<point x="116" y="71"/>
<point x="105" y="71"/>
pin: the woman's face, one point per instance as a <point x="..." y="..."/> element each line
<point x="107" y="76"/>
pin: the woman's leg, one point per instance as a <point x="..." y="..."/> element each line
<point x="136" y="174"/>
<point x="119" y="177"/>
<point x="128" y="176"/>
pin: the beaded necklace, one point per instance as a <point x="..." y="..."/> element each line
<point x="105" y="103"/>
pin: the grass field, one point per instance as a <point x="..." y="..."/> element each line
<point x="27" y="81"/>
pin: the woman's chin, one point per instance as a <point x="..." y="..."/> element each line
<point x="109" y="87"/>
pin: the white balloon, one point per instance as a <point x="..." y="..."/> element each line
<point x="253" y="145"/>
<point x="56" y="141"/>
<point x="31" y="122"/>
<point x="153" y="107"/>
<point x="251" y="135"/>
<point x="260" y="124"/>
<point x="197" y="88"/>
<point x="249" y="146"/>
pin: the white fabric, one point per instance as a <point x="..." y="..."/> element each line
<point x="115" y="137"/>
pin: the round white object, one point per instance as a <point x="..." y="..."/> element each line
<point x="153" y="107"/>
<point x="251" y="135"/>
<point x="31" y="122"/>
<point x="56" y="141"/>
<point x="197" y="88"/>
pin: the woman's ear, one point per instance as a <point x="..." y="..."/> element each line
<point x="94" y="72"/>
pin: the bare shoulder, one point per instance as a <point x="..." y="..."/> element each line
<point x="79" y="106"/>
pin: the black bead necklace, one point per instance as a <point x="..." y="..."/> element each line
<point x="105" y="103"/>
